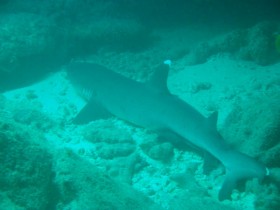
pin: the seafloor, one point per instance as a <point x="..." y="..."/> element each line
<point x="229" y="65"/>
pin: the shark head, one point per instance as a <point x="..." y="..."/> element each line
<point x="85" y="77"/>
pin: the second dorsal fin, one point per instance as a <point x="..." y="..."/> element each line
<point x="211" y="121"/>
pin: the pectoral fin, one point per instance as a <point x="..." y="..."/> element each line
<point x="92" y="111"/>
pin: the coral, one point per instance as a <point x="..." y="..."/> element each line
<point x="110" y="141"/>
<point x="266" y="198"/>
<point x="158" y="151"/>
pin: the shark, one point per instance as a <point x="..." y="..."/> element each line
<point x="152" y="106"/>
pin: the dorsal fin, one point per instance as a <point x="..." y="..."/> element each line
<point x="158" y="80"/>
<point x="211" y="121"/>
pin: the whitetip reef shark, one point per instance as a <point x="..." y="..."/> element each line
<point x="152" y="106"/>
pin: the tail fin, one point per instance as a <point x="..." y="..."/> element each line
<point x="227" y="187"/>
<point x="239" y="167"/>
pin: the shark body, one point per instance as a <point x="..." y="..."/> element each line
<point x="152" y="106"/>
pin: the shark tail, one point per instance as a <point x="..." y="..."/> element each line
<point x="240" y="167"/>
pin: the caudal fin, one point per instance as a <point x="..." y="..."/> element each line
<point x="239" y="167"/>
<point x="227" y="187"/>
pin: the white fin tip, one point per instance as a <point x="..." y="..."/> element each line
<point x="167" y="62"/>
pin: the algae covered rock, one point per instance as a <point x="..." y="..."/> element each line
<point x="84" y="186"/>
<point x="257" y="44"/>
<point x="26" y="169"/>
<point x="26" y="41"/>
